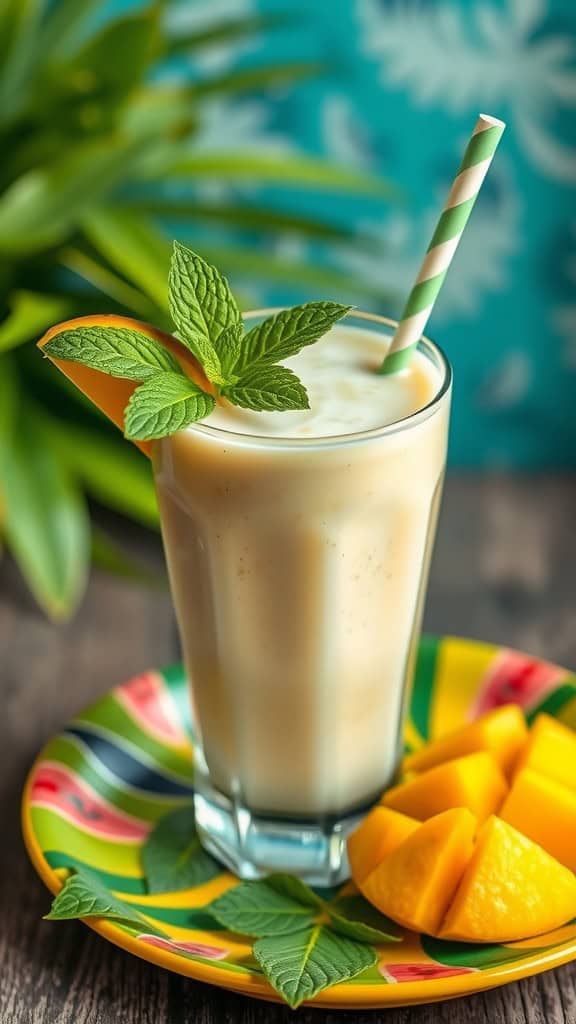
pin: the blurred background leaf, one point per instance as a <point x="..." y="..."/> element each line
<point x="104" y="158"/>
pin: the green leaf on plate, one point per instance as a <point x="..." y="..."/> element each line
<point x="359" y="931"/>
<point x="119" y="351"/>
<point x="84" y="895"/>
<point x="46" y="522"/>
<point x="301" y="964"/>
<point x="163" y="405"/>
<point x="352" y="910"/>
<point x="284" y="334"/>
<point x="263" y="908"/>
<point x="172" y="857"/>
<point x="268" y="388"/>
<point x="294" y="888"/>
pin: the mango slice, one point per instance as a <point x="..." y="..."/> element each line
<point x="416" y="882"/>
<point x="110" y="394"/>
<point x="381" y="832"/>
<point x="550" y="750"/>
<point x="474" y="781"/>
<point x="502" y="732"/>
<point x="545" y="811"/>
<point x="511" y="889"/>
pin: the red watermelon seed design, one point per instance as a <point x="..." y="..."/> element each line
<point x="147" y="701"/>
<point x="516" y="678"/>
<point x="395" y="973"/>
<point x="57" y="788"/>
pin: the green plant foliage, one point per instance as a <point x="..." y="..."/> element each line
<point x="90" y="133"/>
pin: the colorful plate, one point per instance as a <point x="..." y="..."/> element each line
<point x="98" y="786"/>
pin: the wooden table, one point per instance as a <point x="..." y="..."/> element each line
<point x="504" y="570"/>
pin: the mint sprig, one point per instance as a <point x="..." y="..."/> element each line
<point x="241" y="368"/>
<point x="304" y="944"/>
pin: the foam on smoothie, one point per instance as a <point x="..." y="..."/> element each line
<point x="346" y="394"/>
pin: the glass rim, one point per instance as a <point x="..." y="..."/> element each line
<point x="339" y="440"/>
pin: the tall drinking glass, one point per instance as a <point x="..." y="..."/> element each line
<point x="298" y="570"/>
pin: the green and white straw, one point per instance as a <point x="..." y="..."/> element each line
<point x="448" y="232"/>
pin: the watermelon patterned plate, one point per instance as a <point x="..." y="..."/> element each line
<point x="97" y="788"/>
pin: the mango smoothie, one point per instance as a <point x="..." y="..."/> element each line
<point x="298" y="546"/>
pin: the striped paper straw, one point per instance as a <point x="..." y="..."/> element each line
<point x="453" y="220"/>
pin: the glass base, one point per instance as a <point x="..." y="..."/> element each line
<point x="253" y="845"/>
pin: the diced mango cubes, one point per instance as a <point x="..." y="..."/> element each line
<point x="501" y="732"/>
<point x="434" y="857"/>
<point x="474" y="781"/>
<point x="551" y="751"/>
<point x="415" y="883"/>
<point x="378" y="834"/>
<point x="545" y="811"/>
<point x="510" y="889"/>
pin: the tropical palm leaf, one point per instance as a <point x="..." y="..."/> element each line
<point x="96" y="145"/>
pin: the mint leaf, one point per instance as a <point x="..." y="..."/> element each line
<point x="268" y="388"/>
<point x="295" y="889"/>
<point x="172" y="856"/>
<point x="285" y="333"/>
<point x="84" y="895"/>
<point x="359" y="931"/>
<point x="299" y="966"/>
<point x="202" y="307"/>
<point x="352" y="911"/>
<point x="119" y="351"/>
<point x="258" y="908"/>
<point x="229" y="348"/>
<point x="163" y="405"/>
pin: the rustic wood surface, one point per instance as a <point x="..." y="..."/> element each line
<point x="504" y="570"/>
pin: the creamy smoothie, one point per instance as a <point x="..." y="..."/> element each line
<point x="298" y="546"/>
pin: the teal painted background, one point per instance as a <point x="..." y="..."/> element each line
<point x="404" y="82"/>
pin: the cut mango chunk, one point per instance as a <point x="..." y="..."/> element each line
<point x="545" y="811"/>
<point x="502" y="732"/>
<point x="550" y="750"/>
<point x="416" y="882"/>
<point x="474" y="781"/>
<point x="111" y="394"/>
<point x="512" y="889"/>
<point x="381" y="832"/>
